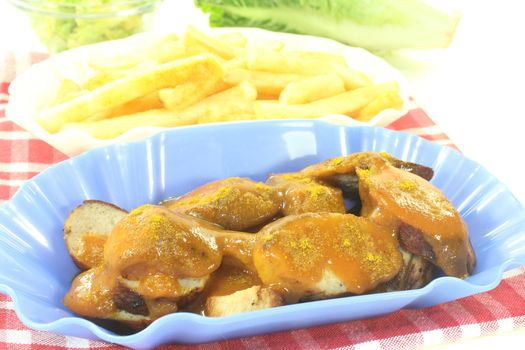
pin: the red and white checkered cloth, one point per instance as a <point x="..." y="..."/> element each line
<point x="499" y="310"/>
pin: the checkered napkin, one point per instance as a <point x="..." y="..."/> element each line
<point x="499" y="310"/>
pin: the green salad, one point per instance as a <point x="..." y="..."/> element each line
<point x="65" y="24"/>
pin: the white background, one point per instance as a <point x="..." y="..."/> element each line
<point x="474" y="90"/>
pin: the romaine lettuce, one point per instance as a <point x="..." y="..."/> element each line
<point x="372" y="24"/>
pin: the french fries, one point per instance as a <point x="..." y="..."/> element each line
<point x="232" y="102"/>
<point x="140" y="104"/>
<point x="67" y="90"/>
<point x="126" y="89"/>
<point x="187" y="94"/>
<point x="304" y="64"/>
<point x="307" y="90"/>
<point x="102" y="78"/>
<point x="236" y="103"/>
<point x="346" y="103"/>
<point x="113" y="127"/>
<point x="389" y="99"/>
<point x="203" y="78"/>
<point x="237" y="62"/>
<point x="266" y="83"/>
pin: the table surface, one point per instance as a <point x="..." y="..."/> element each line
<point x="478" y="81"/>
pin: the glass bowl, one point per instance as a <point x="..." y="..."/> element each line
<point x="65" y="24"/>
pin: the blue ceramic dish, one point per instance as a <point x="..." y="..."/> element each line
<point x="36" y="270"/>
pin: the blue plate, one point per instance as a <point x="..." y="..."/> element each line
<point x="36" y="270"/>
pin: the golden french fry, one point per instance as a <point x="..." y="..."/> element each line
<point x="193" y="47"/>
<point x="390" y="99"/>
<point x="244" y="92"/>
<point x="113" y="127"/>
<point x="213" y="44"/>
<point x="169" y="51"/>
<point x="140" y="104"/>
<point x="345" y="103"/>
<point x="220" y="87"/>
<point x="126" y="89"/>
<point x="228" y="111"/>
<point x="180" y="97"/>
<point x="312" y="88"/>
<point x="353" y="78"/>
<point x="237" y="62"/>
<point x="67" y="90"/>
<point x="186" y="94"/>
<point x="220" y="104"/>
<point x="284" y="62"/>
<point x="102" y="78"/>
<point x="296" y="62"/>
<point x="233" y="38"/>
<point x="266" y="83"/>
<point x="266" y="97"/>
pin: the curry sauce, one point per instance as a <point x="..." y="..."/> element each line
<point x="173" y="257"/>
<point x="402" y="197"/>
<point x="294" y="253"/>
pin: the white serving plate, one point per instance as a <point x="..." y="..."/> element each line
<point x="31" y="92"/>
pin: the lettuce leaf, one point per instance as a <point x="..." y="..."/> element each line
<point x="372" y="24"/>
